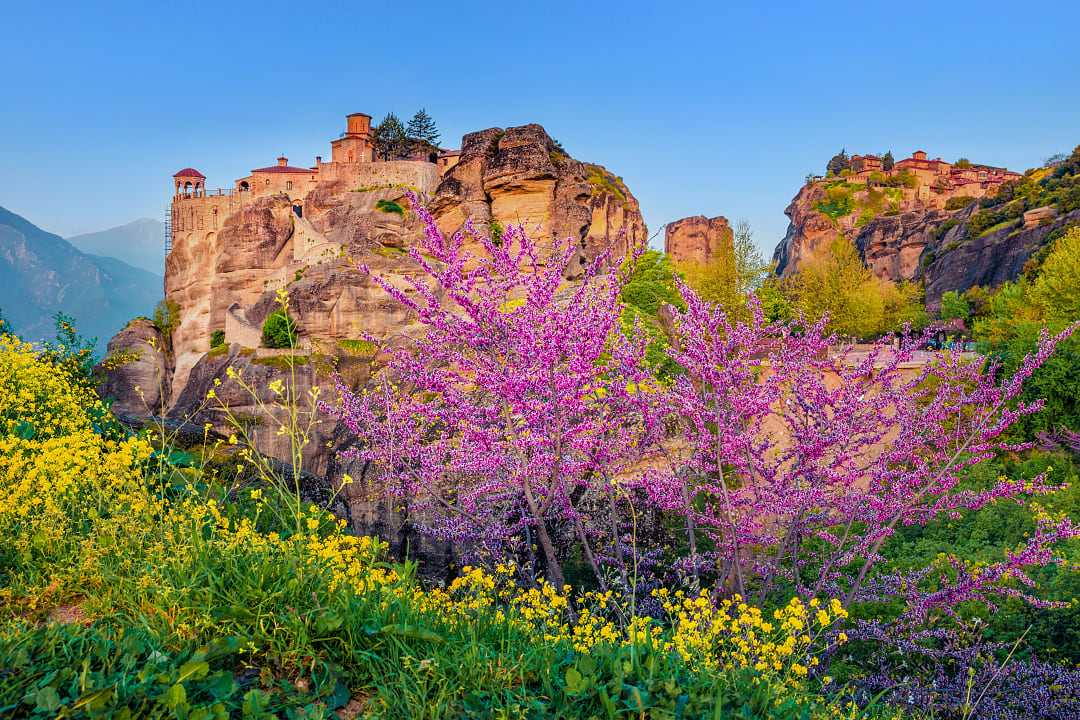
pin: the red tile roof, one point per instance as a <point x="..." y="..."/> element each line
<point x="281" y="169"/>
<point x="190" y="172"/>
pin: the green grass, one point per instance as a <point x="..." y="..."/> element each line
<point x="357" y="347"/>
<point x="999" y="226"/>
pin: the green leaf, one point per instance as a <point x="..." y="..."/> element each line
<point x="175" y="697"/>
<point x="194" y="669"/>
<point x="47" y="699"/>
<point x="575" y="682"/>
<point x="339" y="697"/>
<point x="94" y="701"/>
<point x="328" y="622"/>
<point x="221" y="684"/>
<point x="25" y="431"/>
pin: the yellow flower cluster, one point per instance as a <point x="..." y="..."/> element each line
<point x="35" y="399"/>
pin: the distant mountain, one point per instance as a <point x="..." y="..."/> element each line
<point x="42" y="274"/>
<point x="140" y="243"/>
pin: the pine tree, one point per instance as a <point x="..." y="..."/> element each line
<point x="887" y="161"/>
<point x="422" y="127"/>
<point x="390" y="138"/>
<point x="840" y="161"/>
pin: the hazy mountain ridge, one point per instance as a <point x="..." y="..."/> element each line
<point x="42" y="274"/>
<point x="139" y="243"/>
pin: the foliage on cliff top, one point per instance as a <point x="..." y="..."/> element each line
<point x="1057" y="185"/>
<point x="603" y="181"/>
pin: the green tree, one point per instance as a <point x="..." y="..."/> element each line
<point x="962" y="163"/>
<point x="887" y="161"/>
<point x="834" y="281"/>
<point x="279" y="330"/>
<point x="1056" y="289"/>
<point x="167" y="317"/>
<point x="390" y="139"/>
<point x="954" y="306"/>
<point x="422" y="127"/>
<point x="839" y="161"/>
<point x="728" y="279"/>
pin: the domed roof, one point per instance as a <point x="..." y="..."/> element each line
<point x="189" y="172"/>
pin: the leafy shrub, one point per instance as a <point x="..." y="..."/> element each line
<point x="217" y="339"/>
<point x="954" y="306"/>
<point x="902" y="179"/>
<point x="167" y="317"/>
<point x="389" y="206"/>
<point x="279" y="330"/>
<point x="838" y="201"/>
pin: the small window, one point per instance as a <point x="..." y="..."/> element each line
<point x="288" y="184"/>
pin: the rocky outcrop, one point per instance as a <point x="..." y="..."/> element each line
<point x="227" y="277"/>
<point x="808" y="229"/>
<point x="892" y="245"/>
<point x="136" y="370"/>
<point x="519" y="175"/>
<point x="908" y="237"/>
<point x="698" y="240"/>
<point x="960" y="259"/>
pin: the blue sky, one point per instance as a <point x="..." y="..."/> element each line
<point x="711" y="108"/>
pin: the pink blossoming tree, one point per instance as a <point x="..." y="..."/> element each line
<point x="524" y="415"/>
<point x="802" y="462"/>
<point x="521" y="398"/>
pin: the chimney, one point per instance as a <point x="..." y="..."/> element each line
<point x="318" y="160"/>
<point x="283" y="161"/>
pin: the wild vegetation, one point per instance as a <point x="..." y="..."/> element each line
<point x="668" y="496"/>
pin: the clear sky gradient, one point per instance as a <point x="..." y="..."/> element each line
<point x="714" y="108"/>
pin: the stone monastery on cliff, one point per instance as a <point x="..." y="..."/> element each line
<point x="352" y="158"/>
<point x="972" y="180"/>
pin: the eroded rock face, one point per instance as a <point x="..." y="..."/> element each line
<point x="519" y="175"/>
<point x="892" y="246"/>
<point x="698" y="240"/>
<point x="960" y="259"/>
<point x="136" y="370"/>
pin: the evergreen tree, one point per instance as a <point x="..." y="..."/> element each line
<point x="391" y="141"/>
<point x="422" y="127"/>
<point x="887" y="161"/>
<point x="840" y="161"/>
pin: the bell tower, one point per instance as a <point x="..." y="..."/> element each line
<point x="189" y="182"/>
<point x="354" y="145"/>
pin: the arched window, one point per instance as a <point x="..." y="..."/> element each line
<point x="244" y="187"/>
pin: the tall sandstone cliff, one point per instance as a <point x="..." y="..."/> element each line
<point x="906" y="234"/>
<point x="228" y="281"/>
